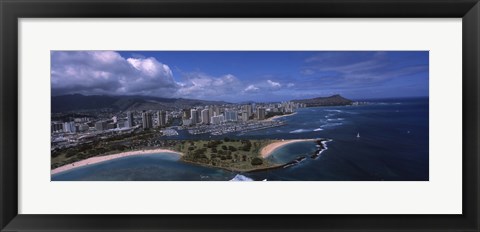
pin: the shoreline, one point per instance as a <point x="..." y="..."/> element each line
<point x="99" y="159"/>
<point x="266" y="151"/>
<point x="280" y="116"/>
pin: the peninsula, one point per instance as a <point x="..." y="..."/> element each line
<point x="228" y="154"/>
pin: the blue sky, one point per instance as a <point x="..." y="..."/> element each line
<point x="237" y="76"/>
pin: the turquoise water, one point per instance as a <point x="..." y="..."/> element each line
<point x="161" y="166"/>
<point x="393" y="145"/>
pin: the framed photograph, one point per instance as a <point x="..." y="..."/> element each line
<point x="246" y="116"/>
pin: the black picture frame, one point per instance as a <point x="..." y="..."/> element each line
<point x="12" y="10"/>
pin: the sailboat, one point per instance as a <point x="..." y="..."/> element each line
<point x="358" y="135"/>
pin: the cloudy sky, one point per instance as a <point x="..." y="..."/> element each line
<point x="237" y="76"/>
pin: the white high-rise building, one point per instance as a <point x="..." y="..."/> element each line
<point x="217" y="119"/>
<point x="205" y="116"/>
<point x="69" y="127"/>
<point x="244" y="116"/>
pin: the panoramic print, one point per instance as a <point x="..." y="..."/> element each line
<point x="239" y="116"/>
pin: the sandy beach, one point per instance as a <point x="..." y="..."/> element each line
<point x="267" y="150"/>
<point x="98" y="159"/>
<point x="280" y="116"/>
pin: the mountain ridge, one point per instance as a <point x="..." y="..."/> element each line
<point x="80" y="102"/>
<point x="334" y="100"/>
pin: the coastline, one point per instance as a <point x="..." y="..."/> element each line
<point x="268" y="150"/>
<point x="99" y="159"/>
<point x="280" y="116"/>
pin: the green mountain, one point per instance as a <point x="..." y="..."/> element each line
<point x="79" y="102"/>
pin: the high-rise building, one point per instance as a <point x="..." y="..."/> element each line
<point x="205" y="116"/>
<point x="130" y="122"/>
<point x="122" y="124"/>
<point x="216" y="110"/>
<point x="260" y="113"/>
<point x="248" y="109"/>
<point x="100" y="126"/>
<point x="168" y="117"/>
<point x="231" y="116"/>
<point x="56" y="127"/>
<point x="69" y="127"/>
<point x="146" y="120"/>
<point x="217" y="119"/>
<point x="194" y="116"/>
<point x="111" y="126"/>
<point x="161" y="118"/>
<point x="244" y="116"/>
<point x="210" y="112"/>
<point x="186" y="114"/>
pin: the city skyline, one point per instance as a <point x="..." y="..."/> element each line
<point x="236" y="76"/>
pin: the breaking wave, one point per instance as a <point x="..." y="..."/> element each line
<point x="299" y="131"/>
<point x="332" y="124"/>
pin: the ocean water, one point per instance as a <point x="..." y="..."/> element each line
<point x="393" y="146"/>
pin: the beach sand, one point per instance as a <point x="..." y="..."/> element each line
<point x="98" y="159"/>
<point x="267" y="150"/>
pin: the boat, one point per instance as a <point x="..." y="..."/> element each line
<point x="358" y="135"/>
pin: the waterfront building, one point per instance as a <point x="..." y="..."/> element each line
<point x="100" y="126"/>
<point x="244" y="116"/>
<point x="248" y="109"/>
<point x="161" y="118"/>
<point x="205" y="116"/>
<point x="216" y="110"/>
<point x="130" y="122"/>
<point x="146" y="120"/>
<point x="194" y="116"/>
<point x="260" y="113"/>
<point x="210" y="112"/>
<point x="217" y="119"/>
<point x="111" y="126"/>
<point x="69" y="127"/>
<point x="186" y="114"/>
<point x="231" y="116"/>
<point x="56" y="127"/>
<point x="167" y="117"/>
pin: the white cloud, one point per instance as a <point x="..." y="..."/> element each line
<point x="107" y="72"/>
<point x="274" y="84"/>
<point x="200" y="85"/>
<point x="251" y="88"/>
